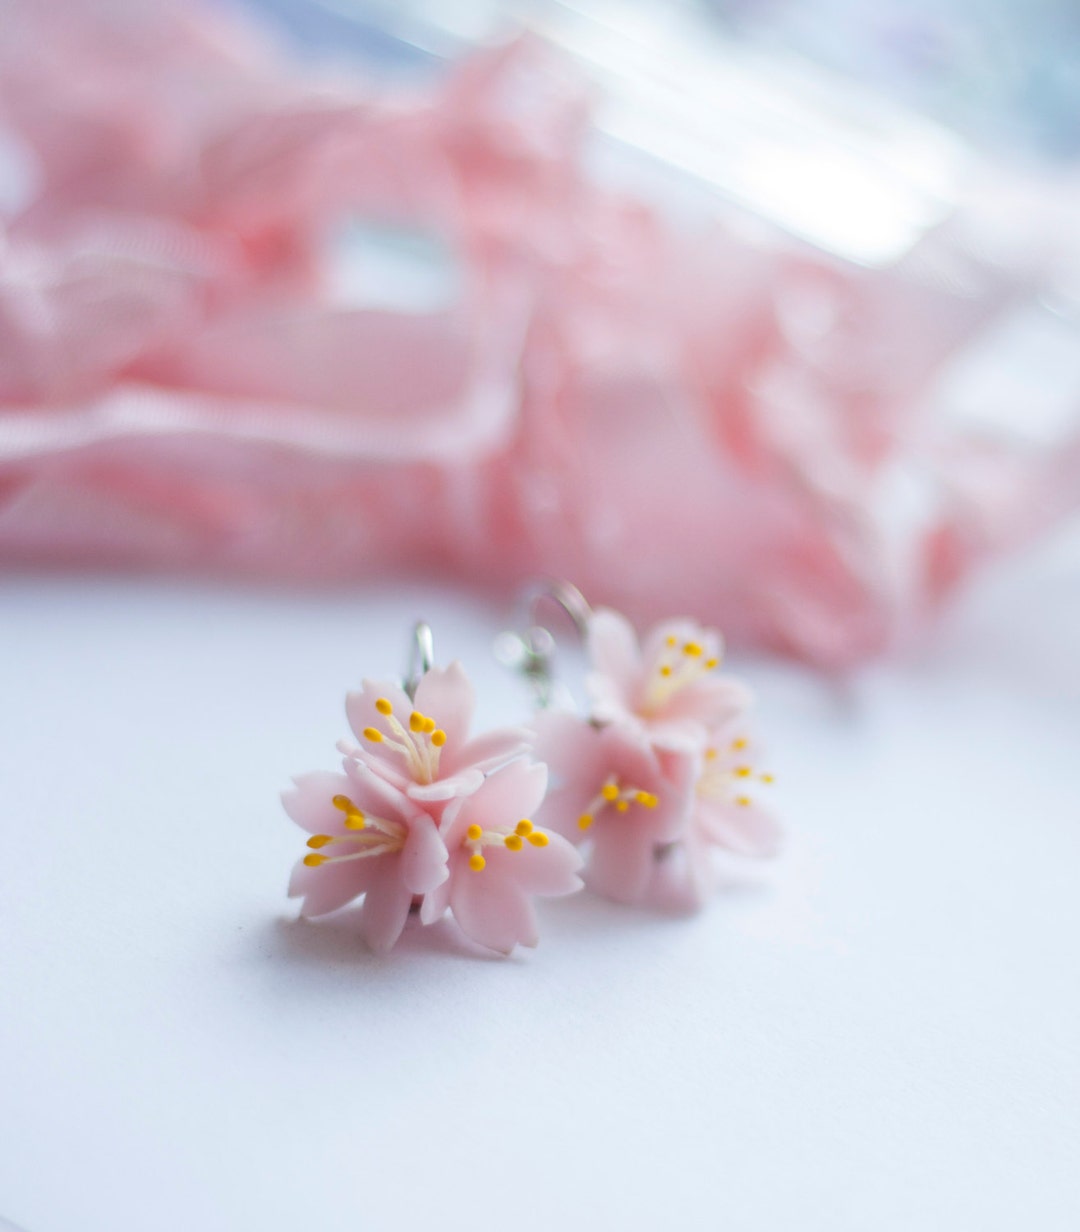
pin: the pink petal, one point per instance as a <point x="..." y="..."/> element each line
<point x="613" y="649"/>
<point x="310" y="802"/>
<point x="687" y="873"/>
<point x="747" y="831"/>
<point x="330" y="886"/>
<point x="424" y="857"/>
<point x="620" y="865"/>
<point x="492" y="910"/>
<point x="551" y="871"/>
<point x="462" y="784"/>
<point x="373" y="793"/>
<point x="361" y="713"/>
<point x="503" y="799"/>
<point x="385" y="909"/>
<point x="435" y="903"/>
<point x="488" y="751"/>
<point x="713" y="701"/>
<point x="571" y="747"/>
<point x="445" y="695"/>
<point x="683" y="631"/>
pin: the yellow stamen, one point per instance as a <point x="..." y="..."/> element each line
<point x="343" y="803"/>
<point x="692" y="649"/>
<point x="665" y="670"/>
<point x="743" y="772"/>
<point x="354" y="820"/>
<point x="429" y="725"/>
<point x="319" y="840"/>
<point x="416" y="721"/>
<point x="383" y="706"/>
<point x="438" y="738"/>
<point x="585" y="821"/>
<point x="642" y="797"/>
<point x="313" y="861"/>
<point x="609" y="791"/>
<point x="740" y="744"/>
<point x="373" y="734"/>
<point x="743" y="800"/>
<point x="473" y="833"/>
<point x="711" y="663"/>
<point x="477" y="863"/>
<point x="648" y="799"/>
<point x="524" y="827"/>
<point x="767" y="778"/>
<point x="538" y="838"/>
<point x="710" y="755"/>
<point x="514" y="841"/>
<point x="671" y="641"/>
<point x="622" y="805"/>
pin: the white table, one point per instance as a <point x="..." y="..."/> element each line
<point x="880" y="1034"/>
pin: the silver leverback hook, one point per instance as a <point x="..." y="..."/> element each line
<point x="421" y="657"/>
<point x="532" y="653"/>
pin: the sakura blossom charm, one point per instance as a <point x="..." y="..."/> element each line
<point x="424" y="818"/>
<point x="657" y="773"/>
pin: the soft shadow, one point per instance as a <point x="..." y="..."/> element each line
<point x="337" y="941"/>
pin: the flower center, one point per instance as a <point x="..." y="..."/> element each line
<point x="620" y="798"/>
<point x="369" y="836"/>
<point x="674" y="668"/>
<point x="476" y="838"/>
<point x="419" y="743"/>
<point x="726" y="775"/>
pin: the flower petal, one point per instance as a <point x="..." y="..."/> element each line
<point x="435" y="903"/>
<point x="492" y="910"/>
<point x="713" y="701"/>
<point x="385" y="909"/>
<point x="655" y="644"/>
<point x="746" y="830"/>
<point x="446" y="695"/>
<point x="373" y="793"/>
<point x="551" y="871"/>
<point x="613" y="649"/>
<point x="462" y="784"/>
<point x="330" y="886"/>
<point x="310" y="802"/>
<point x="361" y="713"/>
<point x="504" y="798"/>
<point x="424" y="857"/>
<point x="620" y="865"/>
<point x="488" y="751"/>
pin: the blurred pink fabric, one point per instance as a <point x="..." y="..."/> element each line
<point x="674" y="419"/>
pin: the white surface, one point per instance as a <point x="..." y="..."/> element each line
<point x="881" y="1036"/>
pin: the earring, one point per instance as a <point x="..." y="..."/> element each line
<point x="659" y="770"/>
<point x="425" y="818"/>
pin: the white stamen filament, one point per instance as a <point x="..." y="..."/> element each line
<point x="619" y="798"/>
<point x="674" y="671"/>
<point x="420" y="743"/>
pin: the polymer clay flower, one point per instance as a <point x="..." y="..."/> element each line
<point x="725" y="814"/>
<point x="666" y="689"/>
<point x="499" y="860"/>
<point x="422" y="746"/>
<point x="621" y="797"/>
<point x="367" y="838"/>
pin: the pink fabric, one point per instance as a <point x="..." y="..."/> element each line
<point x="672" y="417"/>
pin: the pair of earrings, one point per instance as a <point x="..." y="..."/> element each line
<point x="627" y="799"/>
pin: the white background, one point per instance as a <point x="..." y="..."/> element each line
<point x="881" y="1033"/>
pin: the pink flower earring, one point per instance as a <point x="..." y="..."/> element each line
<point x="425" y="818"/>
<point x="658" y="771"/>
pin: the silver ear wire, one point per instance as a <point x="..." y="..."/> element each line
<point x="421" y="656"/>
<point x="532" y="653"/>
